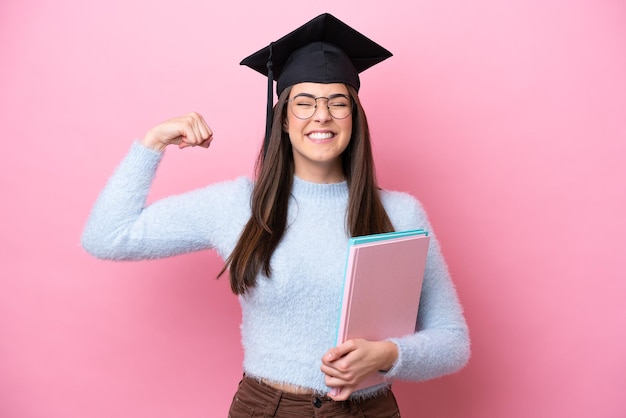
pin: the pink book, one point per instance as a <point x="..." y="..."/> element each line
<point x="383" y="282"/>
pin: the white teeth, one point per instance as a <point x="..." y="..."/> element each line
<point x="320" y="135"/>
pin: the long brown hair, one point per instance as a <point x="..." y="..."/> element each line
<point x="270" y="197"/>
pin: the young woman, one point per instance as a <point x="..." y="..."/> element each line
<point x="284" y="234"/>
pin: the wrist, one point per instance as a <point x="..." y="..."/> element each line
<point x="389" y="357"/>
<point x="149" y="141"/>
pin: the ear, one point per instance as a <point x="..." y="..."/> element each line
<point x="285" y="125"/>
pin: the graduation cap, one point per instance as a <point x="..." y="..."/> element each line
<point x="323" y="50"/>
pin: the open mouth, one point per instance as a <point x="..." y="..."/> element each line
<point x="320" y="136"/>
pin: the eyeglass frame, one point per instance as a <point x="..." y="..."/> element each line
<point x="332" y="96"/>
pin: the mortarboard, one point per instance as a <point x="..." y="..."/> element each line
<point x="323" y="50"/>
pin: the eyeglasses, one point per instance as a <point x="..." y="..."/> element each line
<point x="303" y="105"/>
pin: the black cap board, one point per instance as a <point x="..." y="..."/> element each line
<point x="323" y="50"/>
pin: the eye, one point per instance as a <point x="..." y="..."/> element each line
<point x="304" y="101"/>
<point x="338" y="101"/>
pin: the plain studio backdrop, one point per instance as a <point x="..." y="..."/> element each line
<point x="507" y="119"/>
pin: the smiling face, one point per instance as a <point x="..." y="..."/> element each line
<point x="318" y="142"/>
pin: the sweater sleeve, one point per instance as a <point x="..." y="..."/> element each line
<point x="122" y="227"/>
<point x="441" y="342"/>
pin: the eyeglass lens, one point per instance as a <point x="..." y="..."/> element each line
<point x="303" y="106"/>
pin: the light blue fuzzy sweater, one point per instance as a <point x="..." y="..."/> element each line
<point x="289" y="320"/>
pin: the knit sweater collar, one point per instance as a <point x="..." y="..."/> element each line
<point x="321" y="192"/>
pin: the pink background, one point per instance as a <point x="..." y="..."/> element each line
<point x="506" y="118"/>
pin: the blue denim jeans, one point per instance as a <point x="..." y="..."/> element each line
<point x="254" y="399"/>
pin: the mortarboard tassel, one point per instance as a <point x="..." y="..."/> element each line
<point x="270" y="102"/>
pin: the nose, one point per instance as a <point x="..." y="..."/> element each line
<point x="322" y="112"/>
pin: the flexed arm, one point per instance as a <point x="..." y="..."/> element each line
<point x="122" y="227"/>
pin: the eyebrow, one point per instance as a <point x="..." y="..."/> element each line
<point x="330" y="96"/>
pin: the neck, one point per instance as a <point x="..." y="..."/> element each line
<point x="322" y="174"/>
